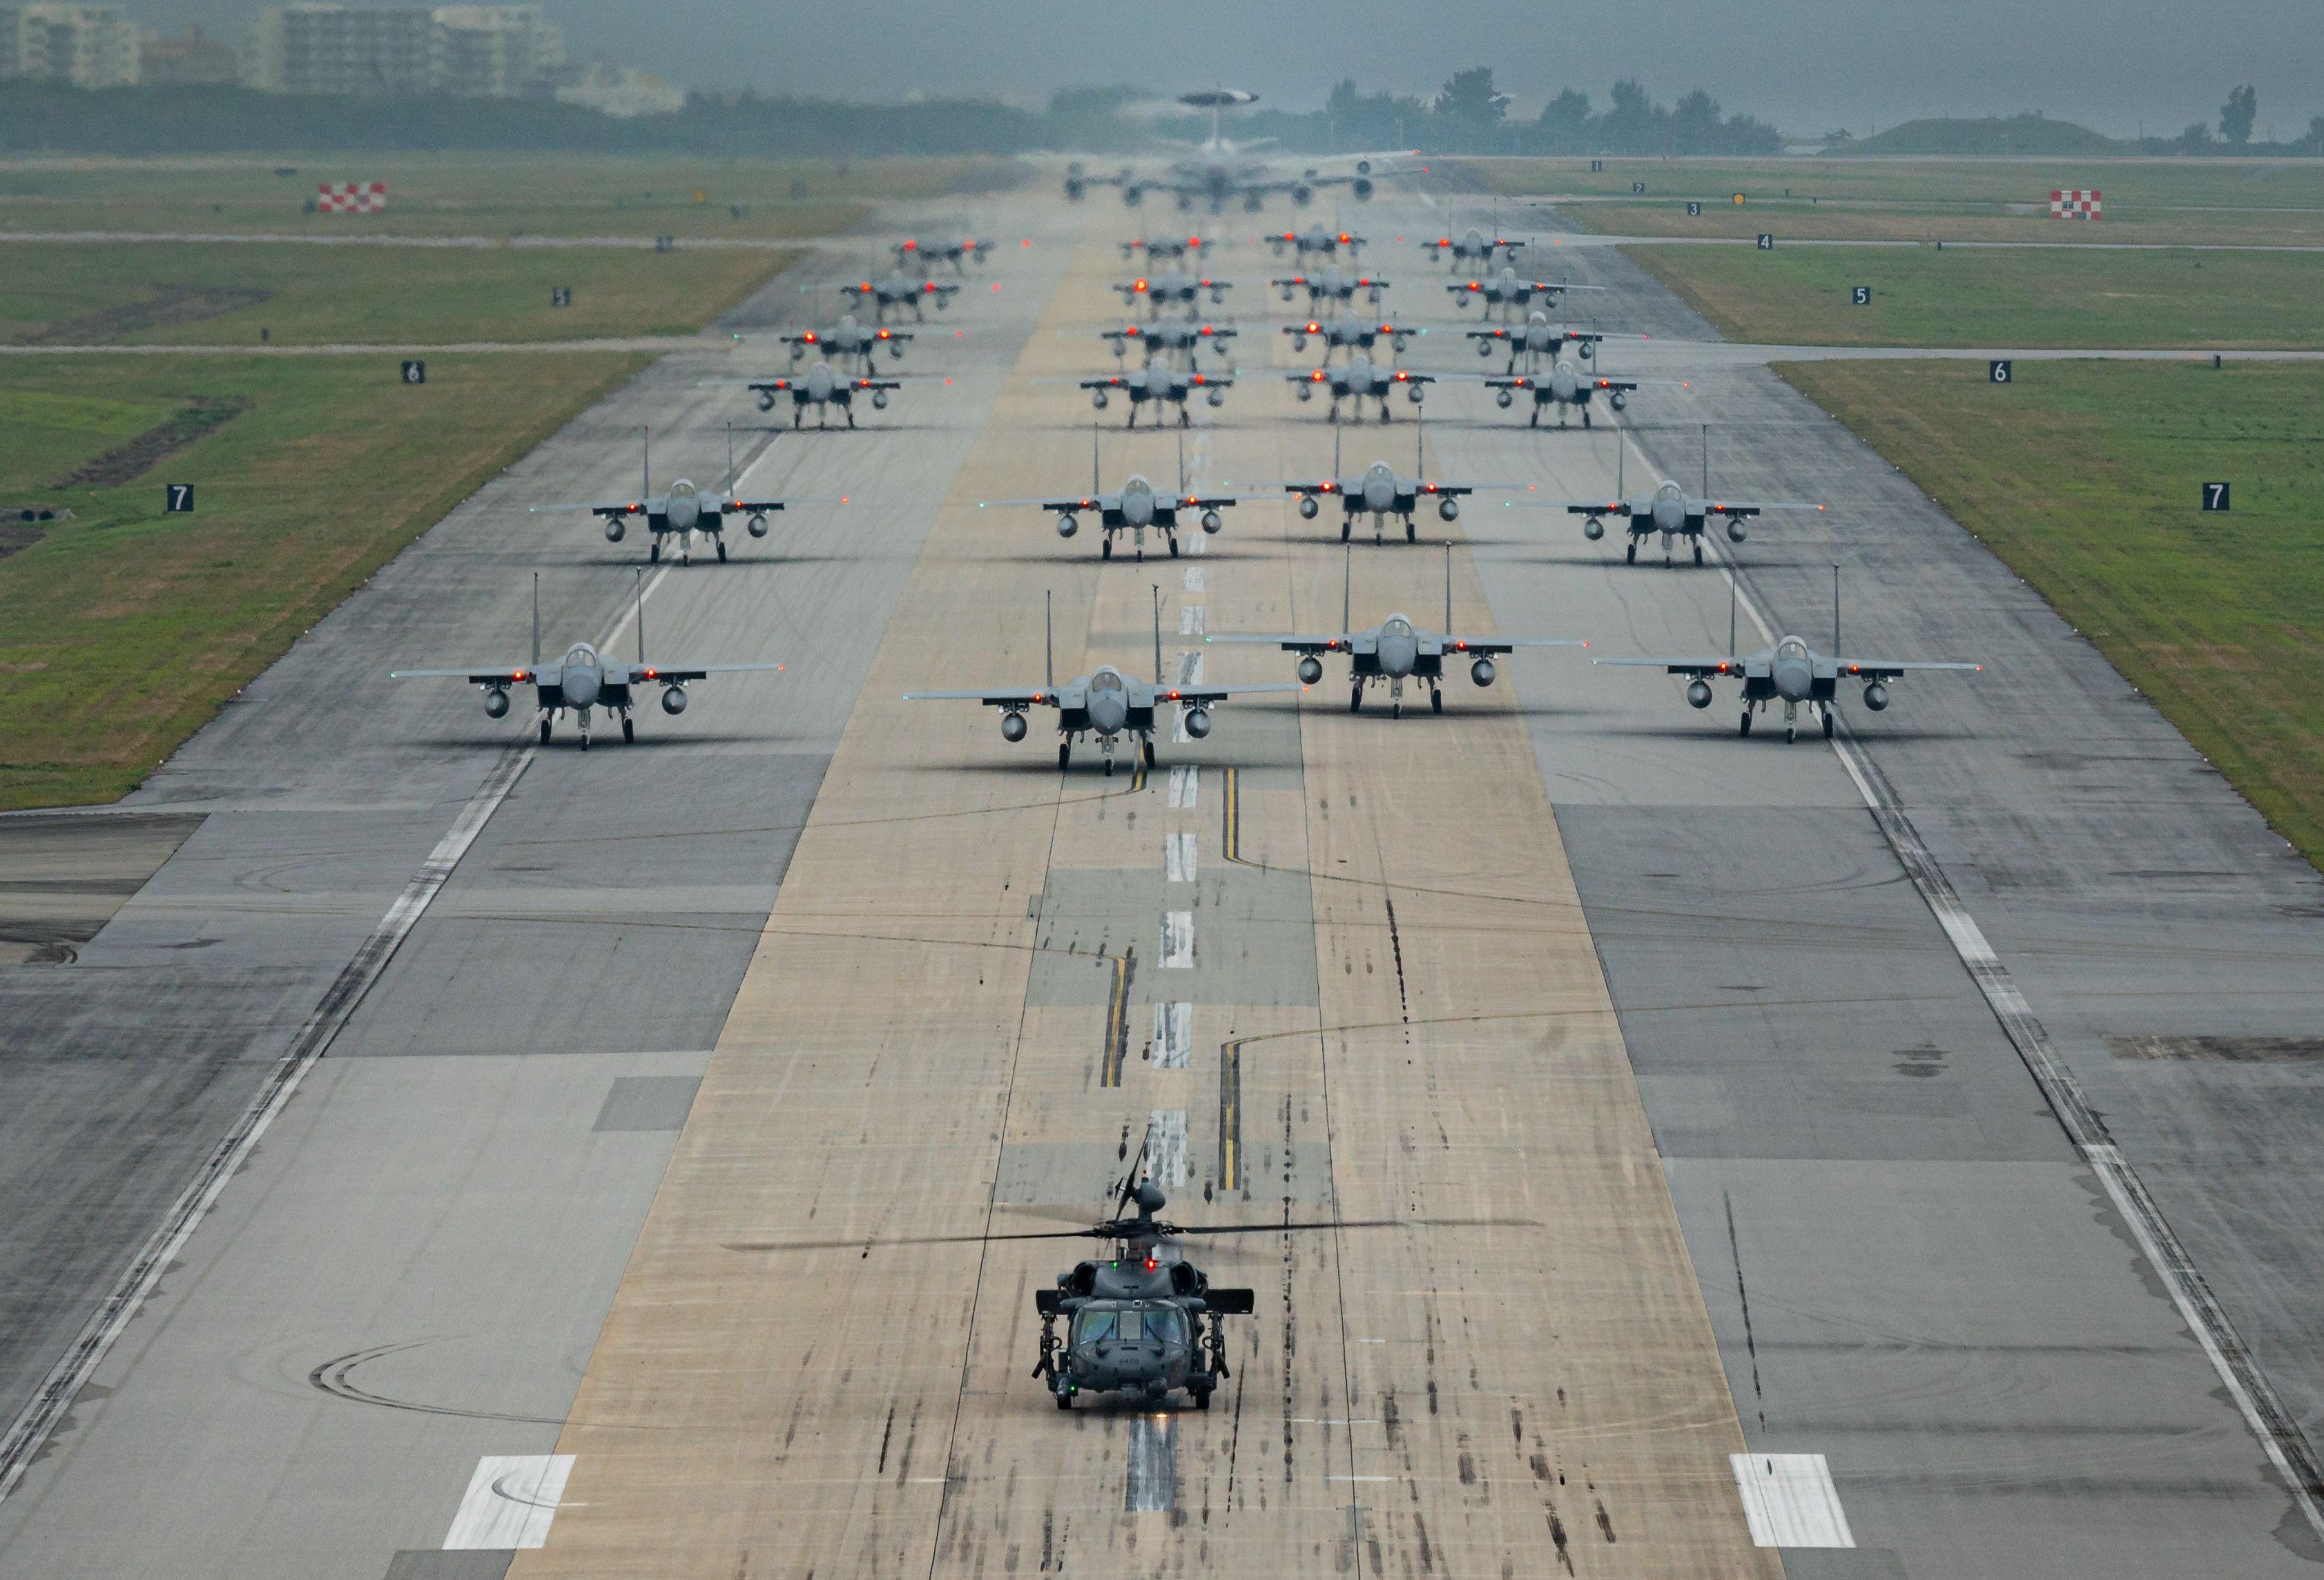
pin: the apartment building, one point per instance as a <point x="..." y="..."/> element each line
<point x="88" y="46"/>
<point x="476" y="51"/>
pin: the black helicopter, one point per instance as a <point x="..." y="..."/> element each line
<point x="1144" y="1321"/>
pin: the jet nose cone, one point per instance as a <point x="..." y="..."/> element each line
<point x="1792" y="681"/>
<point x="1378" y="494"/>
<point x="1108" y="714"/>
<point x="1669" y="515"/>
<point x="684" y="511"/>
<point x="580" y="687"/>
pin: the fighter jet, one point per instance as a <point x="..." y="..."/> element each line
<point x="1106" y="703"/>
<point x="821" y="388"/>
<point x="1379" y="491"/>
<point x="1220" y="173"/>
<point x="1173" y="288"/>
<point x="1316" y="241"/>
<point x="1346" y="332"/>
<point x="1790" y="671"/>
<point x="1473" y="247"/>
<point x="1169" y="336"/>
<point x="1667" y="510"/>
<point x="1509" y="291"/>
<point x="1153" y="383"/>
<point x="899" y="290"/>
<point x="850" y="337"/>
<point x="1329" y="284"/>
<point x="1540" y="338"/>
<point x="1170" y="249"/>
<point x="1359" y="380"/>
<point x="955" y="252"/>
<point x="684" y="510"/>
<point x="584" y="679"/>
<point x="1568" y="388"/>
<point x="1133" y="508"/>
<point x="1396" y="650"/>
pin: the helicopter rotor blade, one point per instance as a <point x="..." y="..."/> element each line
<point x="1487" y="1223"/>
<point x="867" y="1242"/>
<point x="1138" y="1164"/>
<point x="1130" y="1229"/>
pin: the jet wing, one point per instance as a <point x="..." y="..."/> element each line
<point x="1552" y="286"/>
<point x="1877" y="668"/>
<point x="1483" y="645"/>
<point x="1091" y="503"/>
<point x="1704" y="667"/>
<point x="1155" y="696"/>
<point x="653" y="507"/>
<point x="1734" y="509"/>
<point x="513" y="674"/>
<point x="1341" y="643"/>
<point x="995" y="697"/>
<point x="670" y="674"/>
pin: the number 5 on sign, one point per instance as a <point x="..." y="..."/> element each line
<point x="1861" y="296"/>
<point x="2215" y="496"/>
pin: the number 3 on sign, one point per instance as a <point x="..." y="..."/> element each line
<point x="1694" y="208"/>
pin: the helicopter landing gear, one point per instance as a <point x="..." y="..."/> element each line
<point x="1065" y="1399"/>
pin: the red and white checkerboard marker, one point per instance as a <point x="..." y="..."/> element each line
<point x="2074" y="205"/>
<point x="352" y="198"/>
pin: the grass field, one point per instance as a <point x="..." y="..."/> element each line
<point x="499" y="195"/>
<point x="123" y="631"/>
<point x="2218" y="201"/>
<point x="2086" y="478"/>
<point x="225" y="293"/>
<point x="2000" y="297"/>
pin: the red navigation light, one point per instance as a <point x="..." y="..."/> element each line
<point x="516" y="675"/>
<point x="1140" y="285"/>
<point x="1151" y="1264"/>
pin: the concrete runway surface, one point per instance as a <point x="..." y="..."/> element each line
<point x="1810" y="1254"/>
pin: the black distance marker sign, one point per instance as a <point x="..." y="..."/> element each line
<point x="2215" y="496"/>
<point x="178" y="497"/>
<point x="1693" y="209"/>
<point x="1861" y="296"/>
<point x="1766" y="243"/>
<point x="1997" y="370"/>
<point x="415" y="372"/>
<point x="560" y="296"/>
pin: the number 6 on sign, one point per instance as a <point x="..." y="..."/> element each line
<point x="415" y="372"/>
<point x="1997" y="370"/>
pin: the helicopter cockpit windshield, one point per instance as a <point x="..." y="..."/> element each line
<point x="1129" y="1325"/>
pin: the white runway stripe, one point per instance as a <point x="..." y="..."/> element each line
<point x="1790" y="1501"/>
<point x="1178" y="857"/>
<point x="1194" y="578"/>
<point x="1190" y="619"/>
<point x="1174" y="1036"/>
<point x="509" y="1502"/>
<point x="1178" y="940"/>
<point x="1165" y="1147"/>
<point x="1185" y="784"/>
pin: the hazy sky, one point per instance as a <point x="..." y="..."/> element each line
<point x="1808" y="65"/>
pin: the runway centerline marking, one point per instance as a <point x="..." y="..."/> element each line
<point x="1178" y="857"/>
<point x="1174" y="1033"/>
<point x="1177" y="940"/>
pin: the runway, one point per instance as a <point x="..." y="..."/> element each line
<point x="1776" y="1189"/>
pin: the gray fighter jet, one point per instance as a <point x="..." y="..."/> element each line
<point x="1175" y="288"/>
<point x="1790" y="671"/>
<point x="1133" y="508"/>
<point x="1359" y="380"/>
<point x="1172" y="386"/>
<point x="1541" y="338"/>
<point x="685" y="510"/>
<point x="1346" y="332"/>
<point x="1379" y="491"/>
<point x="1568" y="388"/>
<point x="1316" y="242"/>
<point x="900" y="291"/>
<point x="850" y="337"/>
<point x="1106" y="703"/>
<point x="1331" y="284"/>
<point x="956" y="252"/>
<point x="823" y="388"/>
<point x="1668" y="511"/>
<point x="1396" y="650"/>
<point x="1179" y="335"/>
<point x="1169" y="249"/>
<point x="583" y="679"/>
<point x="1509" y="291"/>
<point x="1473" y="247"/>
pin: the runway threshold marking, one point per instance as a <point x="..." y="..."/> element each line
<point x="1152" y="1484"/>
<point x="2279" y="1432"/>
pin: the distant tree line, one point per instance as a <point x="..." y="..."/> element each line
<point x="1468" y="115"/>
<point x="2237" y="117"/>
